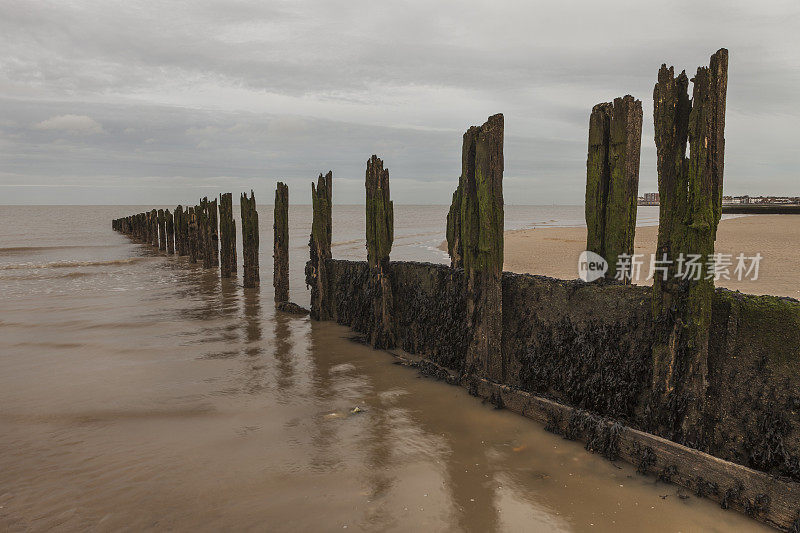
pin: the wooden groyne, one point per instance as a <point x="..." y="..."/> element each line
<point x="761" y="209"/>
<point x="694" y="385"/>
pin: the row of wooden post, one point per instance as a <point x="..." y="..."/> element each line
<point x="690" y="191"/>
<point x="204" y="233"/>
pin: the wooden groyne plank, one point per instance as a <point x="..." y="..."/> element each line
<point x="249" y="239"/>
<point x="320" y="247"/>
<point x="280" y="244"/>
<point x="612" y="179"/>
<point x="379" y="236"/>
<point x="227" y="236"/>
<point x="690" y="191"/>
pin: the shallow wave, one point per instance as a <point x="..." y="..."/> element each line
<point x="10" y="250"/>
<point x="73" y="264"/>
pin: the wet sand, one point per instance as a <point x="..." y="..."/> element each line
<point x="141" y="393"/>
<point x="554" y="251"/>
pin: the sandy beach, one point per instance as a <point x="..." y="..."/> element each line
<point x="554" y="251"/>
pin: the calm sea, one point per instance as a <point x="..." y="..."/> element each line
<point x="139" y="392"/>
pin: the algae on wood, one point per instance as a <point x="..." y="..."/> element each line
<point x="169" y="226"/>
<point x="612" y="179"/>
<point x="249" y="239"/>
<point x="162" y="230"/>
<point x="192" y="234"/>
<point x="475" y="242"/>
<point x="380" y="234"/>
<point x="280" y="245"/>
<point x="690" y="191"/>
<point x="320" y="247"/>
<point x="227" y="235"/>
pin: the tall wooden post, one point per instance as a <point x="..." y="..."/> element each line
<point x="280" y="246"/>
<point x="162" y="231"/>
<point x="154" y="228"/>
<point x="192" y="234"/>
<point x="179" y="243"/>
<point x="612" y="179"/>
<point x="227" y="235"/>
<point x="213" y="232"/>
<point x="205" y="232"/>
<point x="170" y="231"/>
<point x="380" y="234"/>
<point x="690" y="191"/>
<point x="249" y="239"/>
<point x="475" y="241"/>
<point x="320" y="247"/>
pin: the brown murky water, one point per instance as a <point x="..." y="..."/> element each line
<point x="138" y="392"/>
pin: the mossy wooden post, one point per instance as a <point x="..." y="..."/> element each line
<point x="475" y="241"/>
<point x="380" y="234"/>
<point x="690" y="191"/>
<point x="454" y="248"/>
<point x="320" y="247"/>
<point x="170" y="231"/>
<point x="280" y="244"/>
<point x="178" y="213"/>
<point x="192" y="234"/>
<point x="612" y="179"/>
<point x="162" y="231"/>
<point x="213" y="232"/>
<point x="227" y="235"/>
<point x="249" y="240"/>
<point x="204" y="221"/>
<point x="154" y="228"/>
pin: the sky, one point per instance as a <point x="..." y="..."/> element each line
<point x="135" y="102"/>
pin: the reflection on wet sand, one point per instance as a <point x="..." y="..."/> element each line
<point x="159" y="397"/>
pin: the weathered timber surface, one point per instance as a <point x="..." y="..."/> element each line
<point x="227" y="236"/>
<point x="169" y="226"/>
<point x="612" y="178"/>
<point x="690" y="191"/>
<point x="213" y="232"/>
<point x="380" y="234"/>
<point x="181" y="231"/>
<point x="162" y="230"/>
<point x="154" y="228"/>
<point x="280" y="244"/>
<point x="319" y="245"/>
<point x="475" y="242"/>
<point x="193" y="234"/>
<point x="206" y="232"/>
<point x="249" y="240"/>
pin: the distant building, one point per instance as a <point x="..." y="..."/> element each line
<point x="651" y="197"/>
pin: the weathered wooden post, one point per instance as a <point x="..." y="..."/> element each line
<point x="192" y="233"/>
<point x="690" y="191"/>
<point x="213" y="232"/>
<point x="227" y="235"/>
<point x="320" y="247"/>
<point x="154" y="228"/>
<point x="280" y="246"/>
<point x="475" y="241"/>
<point x="249" y="239"/>
<point x="612" y="179"/>
<point x="203" y="212"/>
<point x="380" y="234"/>
<point x="170" y="231"/>
<point x="162" y="231"/>
<point x="178" y="227"/>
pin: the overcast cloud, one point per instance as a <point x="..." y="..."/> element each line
<point x="160" y="102"/>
